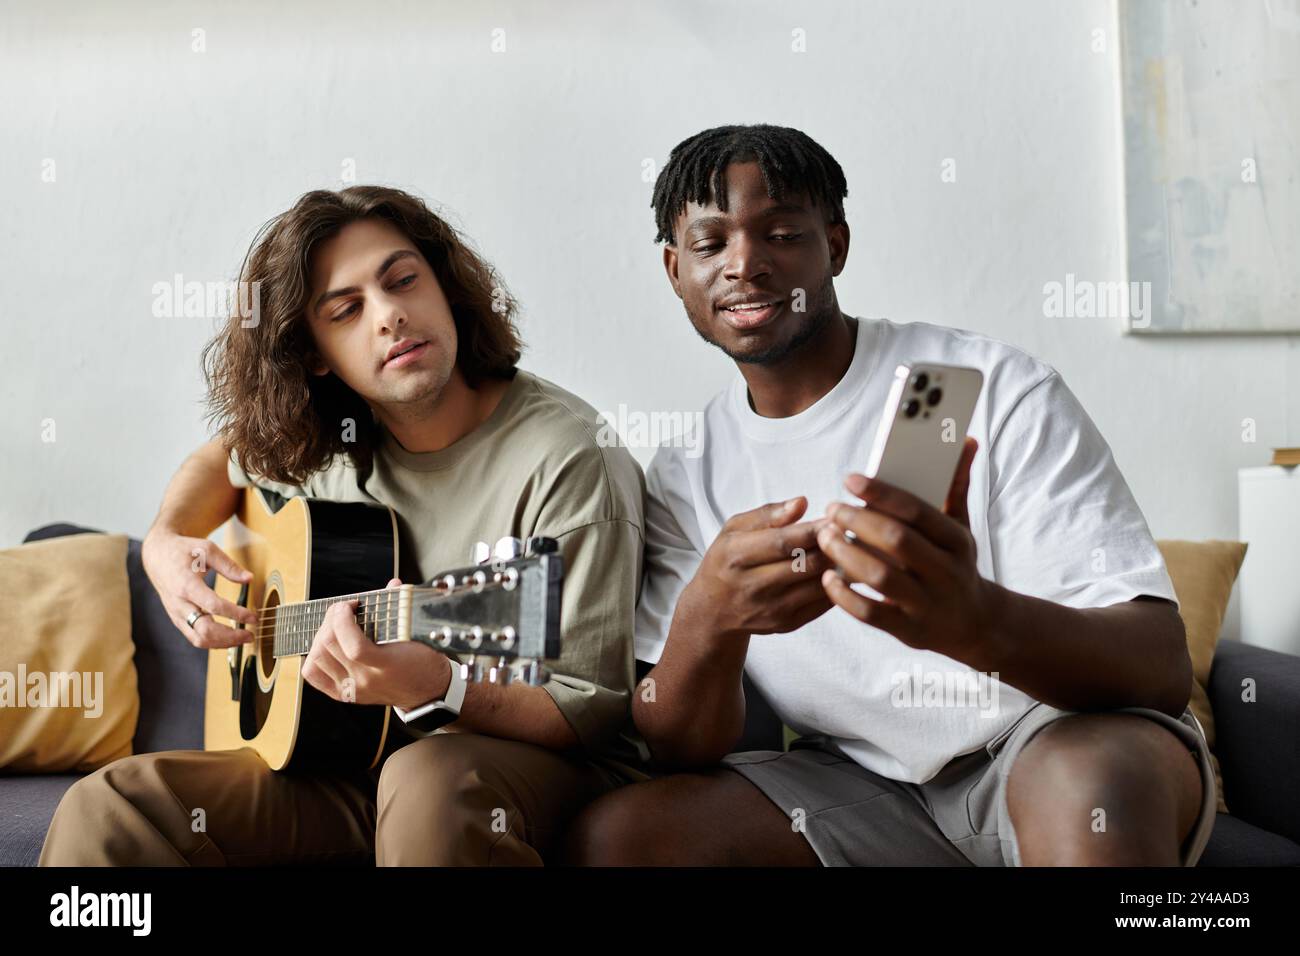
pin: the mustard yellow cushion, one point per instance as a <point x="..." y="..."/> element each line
<point x="1203" y="573"/>
<point x="68" y="697"/>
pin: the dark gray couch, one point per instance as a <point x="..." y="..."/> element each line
<point x="1258" y="743"/>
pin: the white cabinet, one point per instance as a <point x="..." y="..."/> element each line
<point x="1268" y="501"/>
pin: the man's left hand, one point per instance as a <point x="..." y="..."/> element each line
<point x="920" y="560"/>
<point x="346" y="665"/>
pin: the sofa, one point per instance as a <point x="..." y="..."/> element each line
<point x="1258" y="744"/>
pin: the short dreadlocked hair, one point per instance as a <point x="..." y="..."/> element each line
<point x="791" y="161"/>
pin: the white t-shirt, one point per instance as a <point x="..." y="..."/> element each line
<point x="1050" y="512"/>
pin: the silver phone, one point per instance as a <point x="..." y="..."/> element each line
<point x="923" y="427"/>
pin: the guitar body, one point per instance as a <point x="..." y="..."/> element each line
<point x="298" y="549"/>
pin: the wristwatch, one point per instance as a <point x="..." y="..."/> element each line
<point x="437" y="712"/>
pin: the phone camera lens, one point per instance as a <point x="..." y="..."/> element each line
<point x="934" y="396"/>
<point x="911" y="407"/>
<point x="919" y="381"/>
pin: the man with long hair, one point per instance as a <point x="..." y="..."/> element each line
<point x="382" y="368"/>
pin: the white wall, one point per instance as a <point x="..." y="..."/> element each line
<point x="167" y="160"/>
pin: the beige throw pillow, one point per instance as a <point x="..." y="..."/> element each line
<point x="68" y="696"/>
<point x="1203" y="573"/>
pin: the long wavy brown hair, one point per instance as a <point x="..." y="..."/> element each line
<point x="283" y="422"/>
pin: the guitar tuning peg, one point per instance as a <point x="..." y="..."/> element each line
<point x="533" y="674"/>
<point x="507" y="549"/>
<point x="499" y="673"/>
<point x="540" y="545"/>
<point x="481" y="553"/>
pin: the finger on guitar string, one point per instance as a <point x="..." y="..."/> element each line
<point x="322" y="667"/>
<point x="349" y="643"/>
<point x="206" y="633"/>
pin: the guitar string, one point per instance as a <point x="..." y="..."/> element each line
<point x="389" y="596"/>
<point x="299" y="634"/>
<point x="293" y="622"/>
<point x="297" y="629"/>
<point x="294" y="627"/>
<point x="292" y="617"/>
<point x="290" y="626"/>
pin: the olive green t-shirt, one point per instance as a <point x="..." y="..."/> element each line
<point x="534" y="467"/>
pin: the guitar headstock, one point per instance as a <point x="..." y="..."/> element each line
<point x="503" y="611"/>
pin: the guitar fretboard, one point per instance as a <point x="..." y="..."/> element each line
<point x="295" y="625"/>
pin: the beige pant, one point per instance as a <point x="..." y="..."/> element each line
<point x="447" y="800"/>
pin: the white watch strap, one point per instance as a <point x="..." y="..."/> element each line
<point x="451" y="701"/>
<point x="455" y="696"/>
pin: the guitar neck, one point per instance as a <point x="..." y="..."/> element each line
<point x="506" y="610"/>
<point x="382" y="616"/>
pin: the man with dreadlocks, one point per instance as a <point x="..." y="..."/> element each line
<point x="1037" y="586"/>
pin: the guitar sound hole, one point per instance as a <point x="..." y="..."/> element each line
<point x="254" y="701"/>
<point x="266" y="647"/>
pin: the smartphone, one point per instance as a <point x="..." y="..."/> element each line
<point x="923" y="427"/>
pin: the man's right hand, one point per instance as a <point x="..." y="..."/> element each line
<point x="176" y="565"/>
<point x="761" y="575"/>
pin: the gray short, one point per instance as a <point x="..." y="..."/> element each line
<point x="854" y="817"/>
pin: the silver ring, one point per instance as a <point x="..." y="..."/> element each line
<point x="194" y="616"/>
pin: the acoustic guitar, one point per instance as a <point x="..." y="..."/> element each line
<point x="499" y="618"/>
